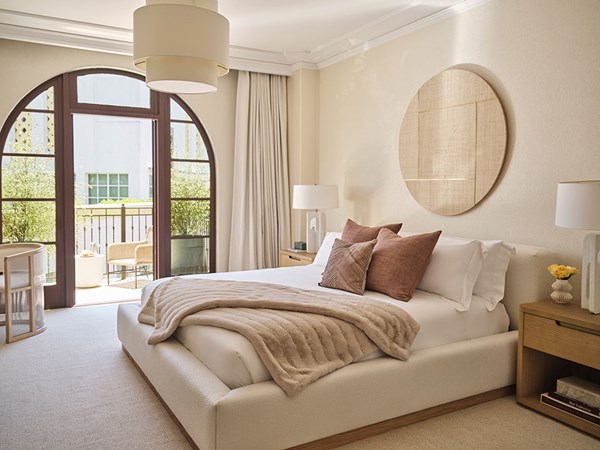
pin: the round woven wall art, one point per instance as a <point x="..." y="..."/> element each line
<point x="452" y="142"/>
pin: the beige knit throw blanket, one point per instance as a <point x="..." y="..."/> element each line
<point x="300" y="335"/>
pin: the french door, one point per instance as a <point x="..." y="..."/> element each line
<point x="38" y="175"/>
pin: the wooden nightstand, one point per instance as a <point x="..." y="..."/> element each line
<point x="556" y="341"/>
<point x="289" y="258"/>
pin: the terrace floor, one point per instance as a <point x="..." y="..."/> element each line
<point x="118" y="291"/>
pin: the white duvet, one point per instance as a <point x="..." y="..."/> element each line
<point x="233" y="359"/>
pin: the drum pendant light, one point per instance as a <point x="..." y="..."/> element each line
<point x="183" y="46"/>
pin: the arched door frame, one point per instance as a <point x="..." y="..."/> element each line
<point x="65" y="105"/>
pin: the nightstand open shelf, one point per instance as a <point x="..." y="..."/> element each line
<point x="556" y="341"/>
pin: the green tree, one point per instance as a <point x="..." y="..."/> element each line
<point x="190" y="217"/>
<point x="28" y="177"/>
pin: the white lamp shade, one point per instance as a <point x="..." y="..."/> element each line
<point x="183" y="48"/>
<point x="315" y="196"/>
<point x="578" y="205"/>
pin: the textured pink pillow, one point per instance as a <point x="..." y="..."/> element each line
<point x="347" y="266"/>
<point x="354" y="232"/>
<point x="398" y="263"/>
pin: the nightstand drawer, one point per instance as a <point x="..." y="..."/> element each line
<point x="291" y="260"/>
<point x="288" y="258"/>
<point x="562" y="339"/>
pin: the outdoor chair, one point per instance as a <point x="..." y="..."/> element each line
<point x="22" y="279"/>
<point x="136" y="255"/>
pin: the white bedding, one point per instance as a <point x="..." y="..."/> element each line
<point x="233" y="359"/>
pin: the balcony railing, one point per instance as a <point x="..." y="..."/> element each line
<point x="104" y="224"/>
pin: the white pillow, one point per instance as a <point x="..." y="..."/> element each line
<point x="453" y="270"/>
<point x="492" y="278"/>
<point x="325" y="249"/>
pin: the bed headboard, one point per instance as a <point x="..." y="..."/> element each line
<point x="527" y="279"/>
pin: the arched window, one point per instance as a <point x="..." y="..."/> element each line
<point x="95" y="156"/>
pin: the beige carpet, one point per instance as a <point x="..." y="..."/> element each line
<point x="72" y="387"/>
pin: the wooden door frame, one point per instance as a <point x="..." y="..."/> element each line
<point x="62" y="294"/>
<point x="71" y="107"/>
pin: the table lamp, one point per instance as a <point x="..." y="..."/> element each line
<point x="578" y="206"/>
<point x="313" y="197"/>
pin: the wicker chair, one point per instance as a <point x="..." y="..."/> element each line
<point x="22" y="279"/>
<point x="136" y="254"/>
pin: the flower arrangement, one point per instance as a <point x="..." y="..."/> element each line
<point x="561" y="272"/>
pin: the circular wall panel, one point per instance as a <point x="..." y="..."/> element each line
<point x="452" y="142"/>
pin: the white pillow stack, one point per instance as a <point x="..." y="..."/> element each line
<point x="459" y="268"/>
<point x="322" y="255"/>
<point x="492" y="278"/>
<point x="453" y="270"/>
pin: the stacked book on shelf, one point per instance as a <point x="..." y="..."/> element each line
<point x="575" y="396"/>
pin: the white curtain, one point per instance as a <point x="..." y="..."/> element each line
<point x="260" y="222"/>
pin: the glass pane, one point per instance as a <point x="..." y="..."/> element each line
<point x="114" y="193"/>
<point x="189" y="256"/>
<point x="43" y="101"/>
<point x="51" y="271"/>
<point x="177" y="112"/>
<point x="25" y="221"/>
<point x="31" y="133"/>
<point x="116" y="151"/>
<point x="27" y="177"/>
<point x="186" y="142"/>
<point x="190" y="180"/>
<point x="102" y="192"/>
<point x="93" y="191"/>
<point x="190" y="217"/>
<point x="112" y="89"/>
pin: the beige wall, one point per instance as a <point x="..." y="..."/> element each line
<point x="24" y="66"/>
<point x="541" y="57"/>
<point x="303" y="139"/>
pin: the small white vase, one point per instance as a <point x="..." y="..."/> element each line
<point x="562" y="291"/>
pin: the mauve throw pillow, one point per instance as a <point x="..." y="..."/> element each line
<point x="398" y="263"/>
<point x="354" y="232"/>
<point x="347" y="266"/>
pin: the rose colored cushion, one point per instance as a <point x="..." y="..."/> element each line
<point x="347" y="266"/>
<point x="398" y="263"/>
<point x="354" y="232"/>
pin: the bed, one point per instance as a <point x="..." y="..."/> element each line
<point x="223" y="399"/>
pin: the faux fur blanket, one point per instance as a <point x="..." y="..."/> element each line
<point x="300" y="335"/>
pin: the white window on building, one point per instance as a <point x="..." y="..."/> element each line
<point x="107" y="186"/>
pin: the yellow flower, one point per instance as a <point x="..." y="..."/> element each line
<point x="562" y="272"/>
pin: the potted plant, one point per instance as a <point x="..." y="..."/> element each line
<point x="190" y="216"/>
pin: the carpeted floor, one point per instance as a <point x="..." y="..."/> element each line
<point x="72" y="387"/>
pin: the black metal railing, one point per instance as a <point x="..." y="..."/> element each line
<point x="105" y="224"/>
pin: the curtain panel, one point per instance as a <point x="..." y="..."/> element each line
<point x="260" y="222"/>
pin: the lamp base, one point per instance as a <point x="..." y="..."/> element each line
<point x="590" y="289"/>
<point x="315" y="230"/>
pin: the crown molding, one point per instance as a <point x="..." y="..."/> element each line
<point x="86" y="36"/>
<point x="252" y="60"/>
<point x="384" y="37"/>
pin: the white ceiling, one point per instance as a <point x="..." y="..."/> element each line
<point x="267" y="35"/>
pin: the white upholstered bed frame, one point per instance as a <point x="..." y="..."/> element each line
<point x="352" y="403"/>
